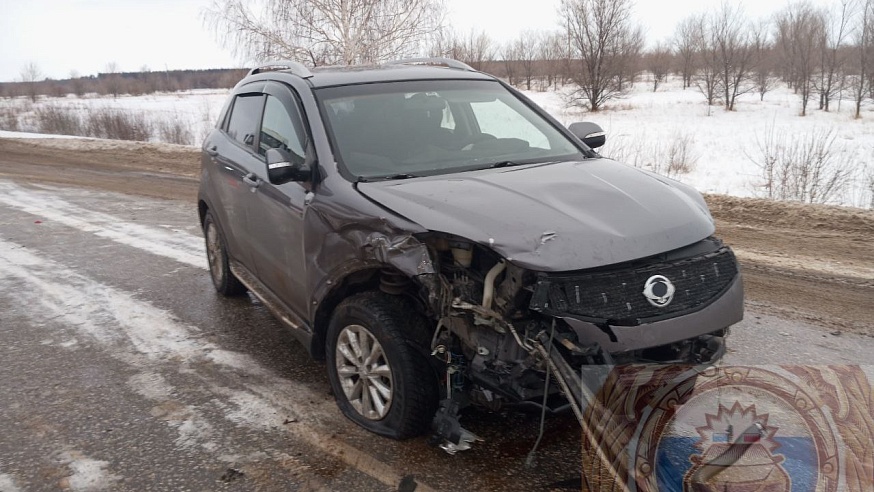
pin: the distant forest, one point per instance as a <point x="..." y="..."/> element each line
<point x="133" y="83"/>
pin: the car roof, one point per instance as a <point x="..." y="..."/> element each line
<point x="367" y="74"/>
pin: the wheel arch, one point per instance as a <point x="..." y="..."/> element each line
<point x="202" y="209"/>
<point x="365" y="279"/>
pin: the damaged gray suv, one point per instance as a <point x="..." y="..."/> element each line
<point x="441" y="241"/>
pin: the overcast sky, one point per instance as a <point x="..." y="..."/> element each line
<point x="85" y="35"/>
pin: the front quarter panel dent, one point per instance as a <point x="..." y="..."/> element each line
<point x="338" y="245"/>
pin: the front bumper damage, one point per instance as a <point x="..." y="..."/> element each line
<point x="626" y="342"/>
<point x="688" y="339"/>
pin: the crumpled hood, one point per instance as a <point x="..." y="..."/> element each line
<point x="557" y="217"/>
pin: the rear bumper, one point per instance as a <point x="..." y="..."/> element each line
<point x="720" y="314"/>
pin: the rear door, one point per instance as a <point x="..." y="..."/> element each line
<point x="276" y="218"/>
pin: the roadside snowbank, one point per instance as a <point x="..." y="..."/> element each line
<point x="87" y="143"/>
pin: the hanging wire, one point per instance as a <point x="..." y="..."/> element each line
<point x="529" y="460"/>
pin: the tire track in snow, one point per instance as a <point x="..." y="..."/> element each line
<point x="180" y="246"/>
<point x="149" y="339"/>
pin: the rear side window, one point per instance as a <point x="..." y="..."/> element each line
<point x="281" y="130"/>
<point x="243" y="124"/>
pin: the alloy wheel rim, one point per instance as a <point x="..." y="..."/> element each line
<point x="364" y="372"/>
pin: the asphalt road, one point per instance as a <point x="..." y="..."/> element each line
<point x="121" y="369"/>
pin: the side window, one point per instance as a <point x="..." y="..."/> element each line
<point x="243" y="123"/>
<point x="281" y="130"/>
<point x="500" y="120"/>
<point x="448" y="120"/>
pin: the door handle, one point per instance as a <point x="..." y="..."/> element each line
<point x="252" y="180"/>
<point x="213" y="151"/>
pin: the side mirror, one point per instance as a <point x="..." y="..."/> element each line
<point x="590" y="133"/>
<point x="284" y="166"/>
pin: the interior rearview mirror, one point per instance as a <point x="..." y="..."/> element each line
<point x="284" y="166"/>
<point x="590" y="133"/>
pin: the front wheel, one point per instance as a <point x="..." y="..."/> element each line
<point x="378" y="369"/>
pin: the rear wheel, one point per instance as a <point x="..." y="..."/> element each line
<point x="378" y="370"/>
<point x="217" y="255"/>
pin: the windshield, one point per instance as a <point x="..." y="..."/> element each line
<point x="435" y="127"/>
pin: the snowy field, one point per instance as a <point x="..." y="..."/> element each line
<point x="197" y="109"/>
<point x="723" y="145"/>
<point x="642" y="127"/>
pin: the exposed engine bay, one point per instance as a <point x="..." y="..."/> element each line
<point x="503" y="333"/>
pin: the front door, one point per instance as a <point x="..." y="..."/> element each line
<point x="276" y="218"/>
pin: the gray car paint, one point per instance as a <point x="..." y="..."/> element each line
<point x="346" y="231"/>
<point x="557" y="217"/>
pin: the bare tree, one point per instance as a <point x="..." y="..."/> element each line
<point x="658" y="63"/>
<point x="475" y="48"/>
<point x="554" y="58"/>
<point x="864" y="54"/>
<point x="763" y="59"/>
<point x="444" y="42"/>
<point x="707" y="60"/>
<point x="30" y="75"/>
<point x="509" y="55"/>
<point x="602" y="38"/>
<point x="686" y="47"/>
<point x="628" y="65"/>
<point x="112" y="80"/>
<point x="798" y="35"/>
<point x="527" y="47"/>
<point x="835" y="32"/>
<point x="324" y="32"/>
<point x="77" y="85"/>
<point x="734" y="51"/>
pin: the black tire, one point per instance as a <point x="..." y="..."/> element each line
<point x="217" y="256"/>
<point x="397" y="328"/>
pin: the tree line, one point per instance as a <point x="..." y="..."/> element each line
<point x="823" y="54"/>
<point x="113" y="82"/>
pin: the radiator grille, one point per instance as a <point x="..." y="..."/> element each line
<point x="616" y="296"/>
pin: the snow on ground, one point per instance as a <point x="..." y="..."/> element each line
<point x="88" y="475"/>
<point x="182" y="247"/>
<point x="7" y="134"/>
<point x="198" y="109"/>
<point x="641" y="127"/>
<point x="724" y="142"/>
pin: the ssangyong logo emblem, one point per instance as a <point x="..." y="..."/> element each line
<point x="659" y="291"/>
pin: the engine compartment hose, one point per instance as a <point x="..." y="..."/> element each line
<point x="489" y="284"/>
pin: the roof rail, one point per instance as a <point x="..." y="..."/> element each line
<point x="294" y="67"/>
<point x="448" y="62"/>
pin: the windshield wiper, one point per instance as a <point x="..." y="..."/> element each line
<point x="365" y="179"/>
<point x="528" y="162"/>
<point x="504" y="164"/>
